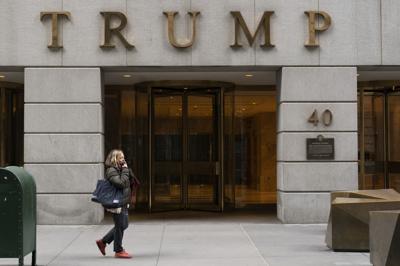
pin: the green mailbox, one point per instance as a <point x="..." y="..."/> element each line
<point x="17" y="214"/>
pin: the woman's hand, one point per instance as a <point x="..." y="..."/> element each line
<point x="121" y="161"/>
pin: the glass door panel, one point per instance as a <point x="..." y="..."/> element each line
<point x="185" y="149"/>
<point x="374" y="137"/>
<point x="394" y="141"/>
<point x="229" y="150"/>
<point x="255" y="149"/>
<point x="11" y="126"/>
<point x="142" y="147"/>
<point x="167" y="152"/>
<point x="201" y="164"/>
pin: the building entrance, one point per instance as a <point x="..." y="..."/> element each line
<point x="196" y="145"/>
<point x="379" y="133"/>
<point x="185" y="149"/>
<point x="11" y="124"/>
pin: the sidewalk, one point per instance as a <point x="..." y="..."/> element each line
<point x="186" y="238"/>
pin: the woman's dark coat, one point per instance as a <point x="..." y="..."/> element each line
<point x="120" y="178"/>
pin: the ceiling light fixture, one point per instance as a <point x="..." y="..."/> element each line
<point x="253" y="103"/>
<point x="2" y="76"/>
<point x="248" y="75"/>
<point x="127" y="76"/>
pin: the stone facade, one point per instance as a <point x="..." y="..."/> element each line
<point x="64" y="135"/>
<point x="64" y="142"/>
<point x="304" y="186"/>
<point x="363" y="33"/>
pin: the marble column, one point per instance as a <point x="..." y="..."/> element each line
<point x="304" y="185"/>
<point x="64" y="142"/>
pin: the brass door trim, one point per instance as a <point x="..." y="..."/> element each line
<point x="150" y="141"/>
<point x="185" y="140"/>
<point x="11" y="85"/>
<point x="190" y="84"/>
<point x="362" y="138"/>
<point x="378" y="83"/>
<point x="385" y="139"/>
<point x="221" y="173"/>
<point x="2" y="133"/>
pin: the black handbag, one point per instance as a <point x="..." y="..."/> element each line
<point x="107" y="195"/>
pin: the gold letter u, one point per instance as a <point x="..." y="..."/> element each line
<point x="171" y="29"/>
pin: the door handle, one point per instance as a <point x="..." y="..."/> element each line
<point x="217" y="168"/>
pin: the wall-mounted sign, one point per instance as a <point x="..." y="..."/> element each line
<point x="320" y="148"/>
<point x="318" y="22"/>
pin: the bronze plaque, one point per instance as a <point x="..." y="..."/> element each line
<point x="320" y="148"/>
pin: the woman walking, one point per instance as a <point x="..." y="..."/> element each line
<point x="117" y="172"/>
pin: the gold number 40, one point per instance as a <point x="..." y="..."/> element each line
<point x="326" y="118"/>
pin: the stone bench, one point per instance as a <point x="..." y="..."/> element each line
<point x="348" y="226"/>
<point x="384" y="238"/>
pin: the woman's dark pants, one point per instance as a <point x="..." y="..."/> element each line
<point x="117" y="233"/>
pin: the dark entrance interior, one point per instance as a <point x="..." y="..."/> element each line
<point x="196" y="145"/>
<point x="11" y="124"/>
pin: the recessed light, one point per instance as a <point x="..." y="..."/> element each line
<point x="253" y="103"/>
<point x="243" y="109"/>
<point x="248" y="75"/>
<point x="2" y="76"/>
<point x="127" y="76"/>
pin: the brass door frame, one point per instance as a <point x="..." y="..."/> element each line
<point x="2" y="131"/>
<point x="385" y="88"/>
<point x="149" y="86"/>
<point x="184" y="178"/>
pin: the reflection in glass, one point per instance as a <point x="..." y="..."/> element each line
<point x="229" y="162"/>
<point x="142" y="146"/>
<point x="381" y="138"/>
<point x="11" y="126"/>
<point x="394" y="141"/>
<point x="374" y="152"/>
<point x="126" y="127"/>
<point x="202" y="150"/>
<point x="255" y="148"/>
<point x="167" y="149"/>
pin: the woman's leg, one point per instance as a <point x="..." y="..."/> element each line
<point x="109" y="237"/>
<point x="118" y="231"/>
<point x="106" y="239"/>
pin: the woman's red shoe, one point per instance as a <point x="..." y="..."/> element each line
<point x="123" y="255"/>
<point x="102" y="246"/>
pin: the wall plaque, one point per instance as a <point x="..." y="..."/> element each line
<point x="320" y="148"/>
